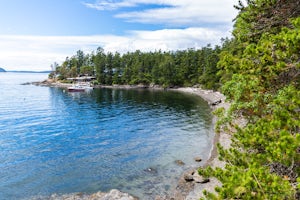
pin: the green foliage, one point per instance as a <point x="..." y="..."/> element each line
<point x="79" y="60"/>
<point x="51" y="75"/>
<point x="209" y="76"/>
<point x="89" y="70"/>
<point x="180" y="68"/>
<point x="261" y="78"/>
<point x="260" y="16"/>
<point x="95" y="82"/>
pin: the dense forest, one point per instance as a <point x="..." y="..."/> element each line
<point x="167" y="69"/>
<point x="259" y="72"/>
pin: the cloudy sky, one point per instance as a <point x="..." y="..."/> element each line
<point x="36" y="33"/>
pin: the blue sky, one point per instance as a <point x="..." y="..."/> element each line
<point x="36" y="33"/>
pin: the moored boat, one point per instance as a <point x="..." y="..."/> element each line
<point x="80" y="87"/>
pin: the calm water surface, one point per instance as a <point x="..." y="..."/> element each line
<point x="52" y="141"/>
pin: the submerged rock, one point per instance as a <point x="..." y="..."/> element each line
<point x="151" y="170"/>
<point x="184" y="186"/>
<point x="179" y="162"/>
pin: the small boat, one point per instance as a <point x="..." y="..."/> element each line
<point x="82" y="87"/>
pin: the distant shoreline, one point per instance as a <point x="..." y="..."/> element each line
<point x="29" y="72"/>
<point x="24" y="71"/>
<point x="2" y="70"/>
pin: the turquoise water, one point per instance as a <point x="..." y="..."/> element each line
<point x="52" y="141"/>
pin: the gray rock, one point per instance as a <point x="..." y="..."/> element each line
<point x="201" y="180"/>
<point x="214" y="103"/>
<point x="188" y="177"/>
<point x="198" y="159"/>
<point x="117" y="195"/>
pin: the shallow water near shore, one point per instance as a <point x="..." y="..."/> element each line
<point x="52" y="141"/>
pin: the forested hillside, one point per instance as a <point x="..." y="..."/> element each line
<point x="260" y="73"/>
<point x="179" y="68"/>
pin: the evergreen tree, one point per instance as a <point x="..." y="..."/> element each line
<point x="261" y="75"/>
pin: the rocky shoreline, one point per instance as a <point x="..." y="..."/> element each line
<point x="111" y="195"/>
<point x="190" y="185"/>
<point x="191" y="190"/>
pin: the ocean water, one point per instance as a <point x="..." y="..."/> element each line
<point x="53" y="141"/>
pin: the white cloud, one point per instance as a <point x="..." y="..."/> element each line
<point x="117" y="4"/>
<point x="173" y="12"/>
<point x="109" y="5"/>
<point x="167" y="39"/>
<point x="39" y="52"/>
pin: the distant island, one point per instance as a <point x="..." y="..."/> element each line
<point x="23" y="71"/>
<point x="2" y="70"/>
<point x="30" y="71"/>
<point x="15" y="71"/>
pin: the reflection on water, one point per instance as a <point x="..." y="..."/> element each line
<point x="52" y="141"/>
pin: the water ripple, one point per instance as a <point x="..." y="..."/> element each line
<point x="52" y="141"/>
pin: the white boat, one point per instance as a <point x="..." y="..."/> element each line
<point x="80" y="87"/>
